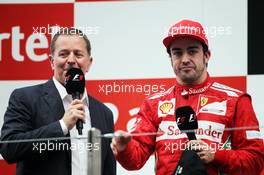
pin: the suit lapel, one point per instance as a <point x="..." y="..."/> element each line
<point x="94" y="114"/>
<point x="55" y="105"/>
<point x="53" y="100"/>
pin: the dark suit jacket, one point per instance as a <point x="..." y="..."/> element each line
<point x="34" y="112"/>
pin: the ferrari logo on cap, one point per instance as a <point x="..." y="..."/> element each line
<point x="204" y="100"/>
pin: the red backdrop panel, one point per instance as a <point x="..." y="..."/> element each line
<point x="18" y="24"/>
<point x="129" y="94"/>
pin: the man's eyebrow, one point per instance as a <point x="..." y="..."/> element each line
<point x="193" y="47"/>
<point x="63" y="50"/>
<point x="77" y="50"/>
<point x="176" y="48"/>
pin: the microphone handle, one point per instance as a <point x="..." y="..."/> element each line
<point x="191" y="135"/>
<point x="79" y="123"/>
<point x="76" y="95"/>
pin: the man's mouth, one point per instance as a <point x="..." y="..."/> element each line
<point x="186" y="68"/>
<point x="68" y="68"/>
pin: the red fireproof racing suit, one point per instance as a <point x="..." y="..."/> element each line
<point x="218" y="108"/>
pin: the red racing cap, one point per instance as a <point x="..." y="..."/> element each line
<point x="186" y="28"/>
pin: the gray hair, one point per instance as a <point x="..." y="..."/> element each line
<point x="70" y="31"/>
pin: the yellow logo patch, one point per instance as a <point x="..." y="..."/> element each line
<point x="204" y="100"/>
<point x="166" y="107"/>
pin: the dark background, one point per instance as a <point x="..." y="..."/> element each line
<point x="255" y="37"/>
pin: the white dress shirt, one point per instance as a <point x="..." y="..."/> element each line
<point x="79" y="152"/>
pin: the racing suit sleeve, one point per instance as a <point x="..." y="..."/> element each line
<point x="247" y="153"/>
<point x="139" y="148"/>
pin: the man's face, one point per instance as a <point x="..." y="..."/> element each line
<point x="70" y="51"/>
<point x="189" y="60"/>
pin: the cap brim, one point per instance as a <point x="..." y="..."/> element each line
<point x="168" y="40"/>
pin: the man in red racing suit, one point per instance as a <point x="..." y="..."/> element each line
<point x="228" y="137"/>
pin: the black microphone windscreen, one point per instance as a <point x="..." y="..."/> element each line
<point x="74" y="81"/>
<point x="186" y="118"/>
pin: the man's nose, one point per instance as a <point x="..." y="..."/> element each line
<point x="186" y="58"/>
<point x="71" y="59"/>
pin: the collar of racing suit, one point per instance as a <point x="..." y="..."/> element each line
<point x="193" y="89"/>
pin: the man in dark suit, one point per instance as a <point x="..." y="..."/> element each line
<point x="47" y="111"/>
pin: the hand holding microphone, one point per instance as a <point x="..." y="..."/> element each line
<point x="187" y="122"/>
<point x="74" y="113"/>
<point x="74" y="84"/>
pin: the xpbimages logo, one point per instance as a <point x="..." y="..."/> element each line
<point x="124" y="87"/>
<point x="62" y="146"/>
<point x="23" y="51"/>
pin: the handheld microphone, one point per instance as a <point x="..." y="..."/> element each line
<point x="75" y="83"/>
<point x="186" y="120"/>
